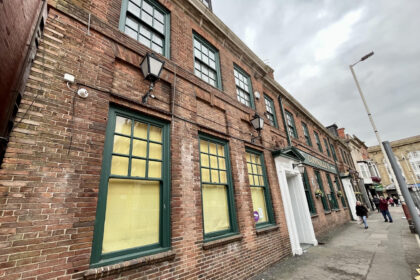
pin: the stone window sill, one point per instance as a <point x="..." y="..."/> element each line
<point x="267" y="229"/>
<point x="327" y="212"/>
<point x="104" y="271"/>
<point x="314" y="216"/>
<point x="222" y="241"/>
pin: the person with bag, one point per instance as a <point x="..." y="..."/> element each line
<point x="362" y="212"/>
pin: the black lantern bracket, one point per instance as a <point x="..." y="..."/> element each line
<point x="151" y="67"/>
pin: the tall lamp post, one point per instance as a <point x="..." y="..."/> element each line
<point x="397" y="186"/>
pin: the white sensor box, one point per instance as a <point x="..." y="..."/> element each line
<point x="69" y="78"/>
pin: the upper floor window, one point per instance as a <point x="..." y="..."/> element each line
<point x="326" y="147"/>
<point x="318" y="142"/>
<point x="291" y="127"/>
<point x="333" y="152"/>
<point x="306" y="134"/>
<point x="147" y="22"/>
<point x="207" y="3"/>
<point x="206" y="62"/>
<point x="132" y="219"/>
<point x="243" y="87"/>
<point x="271" y="112"/>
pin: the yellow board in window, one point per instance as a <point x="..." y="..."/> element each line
<point x="215" y="208"/>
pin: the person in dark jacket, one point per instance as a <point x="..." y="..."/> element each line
<point x="376" y="201"/>
<point x="383" y="206"/>
<point x="362" y="211"/>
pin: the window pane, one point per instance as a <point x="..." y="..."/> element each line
<point x="213" y="162"/>
<point x="159" y="26"/>
<point x="138" y="167"/>
<point x="155" y="133"/>
<point x="159" y="16"/>
<point x="223" y="178"/>
<point x="130" y="32"/>
<point x="119" y="165"/>
<point x="155" y="169"/>
<point x="204" y="160"/>
<point x="259" y="204"/>
<point x="205" y="175"/>
<point x="133" y="9"/>
<point x="155" y="151"/>
<point x="140" y="130"/>
<point x="222" y="163"/>
<point x="132" y="214"/>
<point x="132" y="24"/>
<point x="146" y="18"/>
<point x="204" y="146"/>
<point x="215" y="208"/>
<point x="214" y="176"/>
<point x="121" y="145"/>
<point x="212" y="148"/>
<point x="146" y="7"/>
<point x="139" y="148"/>
<point x="123" y="125"/>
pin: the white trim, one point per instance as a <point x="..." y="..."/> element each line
<point x="298" y="218"/>
<point x="351" y="197"/>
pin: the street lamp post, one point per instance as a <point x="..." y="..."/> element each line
<point x="397" y="186"/>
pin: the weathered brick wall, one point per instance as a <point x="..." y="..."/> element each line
<point x="49" y="181"/>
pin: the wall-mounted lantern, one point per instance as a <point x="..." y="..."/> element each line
<point x="258" y="124"/>
<point x="151" y="67"/>
<point x="300" y="167"/>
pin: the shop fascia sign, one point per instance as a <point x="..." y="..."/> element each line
<point x="318" y="163"/>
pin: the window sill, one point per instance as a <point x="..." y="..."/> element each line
<point x="266" y="229"/>
<point x="336" y="210"/>
<point x="314" y="216"/>
<point x="100" y="272"/>
<point x="327" y="212"/>
<point x="222" y="241"/>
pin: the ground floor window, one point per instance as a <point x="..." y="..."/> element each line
<point x="308" y="193"/>
<point x="261" y="200"/>
<point x="332" y="196"/>
<point x="343" y="199"/>
<point x="321" y="187"/>
<point x="133" y="205"/>
<point x="219" y="216"/>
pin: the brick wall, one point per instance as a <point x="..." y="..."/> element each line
<point x="49" y="183"/>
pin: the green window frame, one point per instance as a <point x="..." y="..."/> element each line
<point x="321" y="187"/>
<point x="318" y="142"/>
<point x="219" y="215"/>
<point x="291" y="125"/>
<point x="332" y="196"/>
<point x="343" y="156"/>
<point x="243" y="87"/>
<point x="326" y="147"/>
<point x="306" y="134"/>
<point x="136" y="165"/>
<point x="343" y="199"/>
<point x="260" y="191"/>
<point x="333" y="152"/>
<point x="308" y="193"/>
<point x="270" y="111"/>
<point x="206" y="61"/>
<point x="148" y="22"/>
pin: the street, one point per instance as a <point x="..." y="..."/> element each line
<point x="383" y="251"/>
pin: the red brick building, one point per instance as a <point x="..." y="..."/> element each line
<point x="179" y="187"/>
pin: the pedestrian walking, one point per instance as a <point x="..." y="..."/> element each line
<point x="362" y="212"/>
<point x="383" y="206"/>
<point x="376" y="202"/>
<point x="396" y="200"/>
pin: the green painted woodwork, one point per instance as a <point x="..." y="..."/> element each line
<point x="97" y="257"/>
<point x="321" y="187"/>
<point x="308" y="193"/>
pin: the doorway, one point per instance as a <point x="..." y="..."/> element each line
<point x="298" y="218"/>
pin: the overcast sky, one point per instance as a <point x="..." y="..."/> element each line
<point x="310" y="44"/>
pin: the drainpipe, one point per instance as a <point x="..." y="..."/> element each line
<point x="283" y="115"/>
<point x="341" y="182"/>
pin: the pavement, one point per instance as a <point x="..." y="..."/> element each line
<point x="383" y="251"/>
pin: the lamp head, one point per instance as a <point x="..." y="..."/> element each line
<point x="151" y="67"/>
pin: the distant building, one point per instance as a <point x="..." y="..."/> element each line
<point x="407" y="154"/>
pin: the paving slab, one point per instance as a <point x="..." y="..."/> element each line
<point x="383" y="251"/>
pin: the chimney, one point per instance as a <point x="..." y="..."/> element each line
<point x="341" y="133"/>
